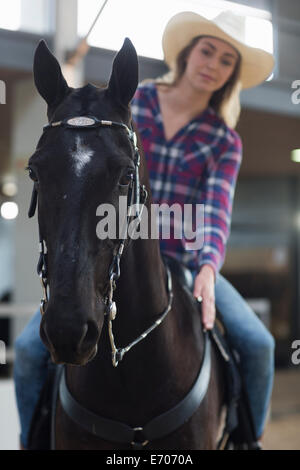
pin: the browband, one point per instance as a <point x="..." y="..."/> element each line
<point x="85" y="122"/>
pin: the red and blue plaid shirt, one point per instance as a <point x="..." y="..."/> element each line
<point x="198" y="165"/>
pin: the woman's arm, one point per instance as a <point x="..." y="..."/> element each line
<point x="217" y="197"/>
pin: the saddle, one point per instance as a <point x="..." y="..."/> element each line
<point x="238" y="432"/>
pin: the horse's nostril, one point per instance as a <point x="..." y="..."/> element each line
<point x="89" y="336"/>
<point x="83" y="336"/>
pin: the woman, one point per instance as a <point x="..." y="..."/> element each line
<point x="185" y="121"/>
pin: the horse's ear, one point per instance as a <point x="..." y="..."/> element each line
<point x="48" y="77"/>
<point x="124" y="76"/>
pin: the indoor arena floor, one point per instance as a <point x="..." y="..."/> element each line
<point x="283" y="429"/>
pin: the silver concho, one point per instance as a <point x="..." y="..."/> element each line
<point x="81" y="121"/>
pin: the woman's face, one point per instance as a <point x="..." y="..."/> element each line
<point x="210" y="64"/>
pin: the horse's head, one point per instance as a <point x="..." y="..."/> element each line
<point x="76" y="169"/>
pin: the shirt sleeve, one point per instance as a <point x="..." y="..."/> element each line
<point x="217" y="197"/>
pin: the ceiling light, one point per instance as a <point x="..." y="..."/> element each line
<point x="295" y="155"/>
<point x="9" y="210"/>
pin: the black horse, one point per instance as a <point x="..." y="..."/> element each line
<point x="87" y="156"/>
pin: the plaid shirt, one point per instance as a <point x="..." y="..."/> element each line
<point x="199" y="165"/>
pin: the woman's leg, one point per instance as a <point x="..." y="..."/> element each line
<point x="30" y="372"/>
<point x="254" y="344"/>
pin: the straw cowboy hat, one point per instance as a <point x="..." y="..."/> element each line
<point x="256" y="64"/>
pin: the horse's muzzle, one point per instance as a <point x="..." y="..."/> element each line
<point x="75" y="344"/>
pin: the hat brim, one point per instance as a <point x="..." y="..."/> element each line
<point x="256" y="65"/>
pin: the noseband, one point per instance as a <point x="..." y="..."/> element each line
<point x="137" y="196"/>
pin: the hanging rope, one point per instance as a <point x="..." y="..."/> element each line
<point x="83" y="47"/>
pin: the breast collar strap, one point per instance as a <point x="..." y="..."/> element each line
<point x="138" y="437"/>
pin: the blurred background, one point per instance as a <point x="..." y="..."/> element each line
<point x="263" y="257"/>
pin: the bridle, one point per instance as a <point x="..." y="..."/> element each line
<point x="137" y="196"/>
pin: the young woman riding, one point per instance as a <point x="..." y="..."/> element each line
<point x="186" y="120"/>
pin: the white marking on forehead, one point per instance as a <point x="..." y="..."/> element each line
<point x="82" y="156"/>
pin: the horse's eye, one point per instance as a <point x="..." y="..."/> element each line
<point x="32" y="174"/>
<point x="126" y="177"/>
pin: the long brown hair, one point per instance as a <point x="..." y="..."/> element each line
<point x="224" y="101"/>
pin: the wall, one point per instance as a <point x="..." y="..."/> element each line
<point x="267" y="141"/>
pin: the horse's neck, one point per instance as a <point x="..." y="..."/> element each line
<point x="142" y="284"/>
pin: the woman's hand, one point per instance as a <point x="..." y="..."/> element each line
<point x="205" y="287"/>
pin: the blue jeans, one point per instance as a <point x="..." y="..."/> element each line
<point x="30" y="372"/>
<point x="255" y="346"/>
<point x="246" y="332"/>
